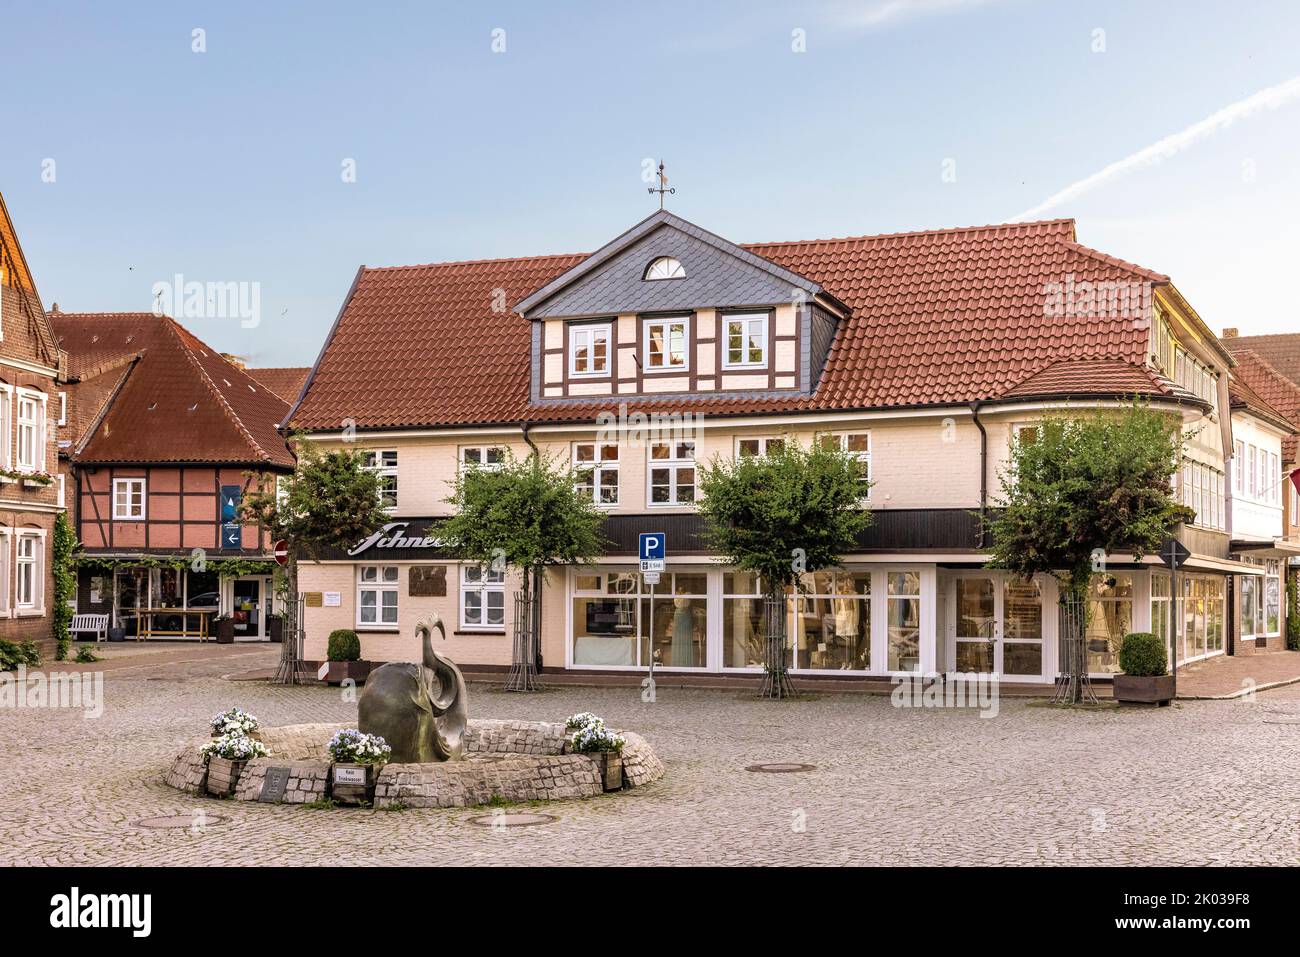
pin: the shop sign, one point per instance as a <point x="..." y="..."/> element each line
<point x="393" y="536"/>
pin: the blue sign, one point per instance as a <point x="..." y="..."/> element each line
<point x="230" y="496"/>
<point x="232" y="534"/>
<point x="653" y="546"/>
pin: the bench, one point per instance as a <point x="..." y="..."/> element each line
<point x="96" y="623"/>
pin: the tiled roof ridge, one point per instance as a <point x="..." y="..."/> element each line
<point x="175" y="329"/>
<point x="108" y="365"/>
<point x="476" y="262"/>
<point x="1117" y="262"/>
<point x="1250" y="398"/>
<point x="1273" y="371"/>
<point x="914" y="233"/>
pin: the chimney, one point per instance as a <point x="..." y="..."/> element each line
<point x="1229" y="333"/>
<point x="54" y="308"/>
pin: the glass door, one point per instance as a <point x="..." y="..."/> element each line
<point x="978" y="625"/>
<point x="247" y="608"/>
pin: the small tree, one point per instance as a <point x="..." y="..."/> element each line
<point x="331" y="501"/>
<point x="527" y="514"/>
<point x="1082" y="488"/>
<point x="792" y="510"/>
<point x="65" y="582"/>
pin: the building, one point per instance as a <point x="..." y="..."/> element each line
<point x="163" y="437"/>
<point x="284" y="381"/>
<point x="1269" y="480"/>
<point x="31" y="495"/>
<point x="925" y="354"/>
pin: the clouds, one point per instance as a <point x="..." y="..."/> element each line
<point x="881" y="13"/>
<point x="1269" y="98"/>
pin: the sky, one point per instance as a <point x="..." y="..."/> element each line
<point x="279" y="146"/>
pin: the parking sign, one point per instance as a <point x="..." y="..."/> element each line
<point x="652" y="549"/>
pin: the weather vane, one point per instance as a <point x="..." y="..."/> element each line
<point x="663" y="186"/>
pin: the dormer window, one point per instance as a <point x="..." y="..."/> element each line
<point x="746" y="341"/>
<point x="664" y="267"/>
<point x="589" y="349"/>
<point x="665" y="344"/>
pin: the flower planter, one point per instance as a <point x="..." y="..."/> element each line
<point x="275" y="629"/>
<point x="610" y="765"/>
<point x="340" y="671"/>
<point x="353" y="783"/>
<point x="1154" y="690"/>
<point x="223" y="775"/>
<point x="225" y="631"/>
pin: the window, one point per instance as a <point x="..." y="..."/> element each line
<point x="128" y="499"/>
<point x="606" y="616"/>
<point x="1252" y="474"/>
<point x="1110" y="618"/>
<point x="665" y="344"/>
<point x="664" y="267"/>
<point x="832" y="621"/>
<point x="1274" y="473"/>
<point x="63" y="408"/>
<point x="1161" y="607"/>
<point x="858" y="445"/>
<point x="672" y="473"/>
<point x="761" y="446"/>
<point x="1201" y="489"/>
<point x="482" y="457"/>
<point x="589" y="350"/>
<point x="377" y="595"/>
<point x="903" y="620"/>
<point x="60" y="500"/>
<point x="1272" y="611"/>
<point x="743" y="627"/>
<point x="29" y="567"/>
<point x="1022" y="638"/>
<point x="384" y="464"/>
<point x="746" y="341"/>
<point x="31" y="431"/>
<point x="1239" y="465"/>
<point x="596" y="468"/>
<point x="482" y="599"/>
<point x="6" y="426"/>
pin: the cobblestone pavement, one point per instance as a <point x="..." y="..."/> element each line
<point x="1203" y="782"/>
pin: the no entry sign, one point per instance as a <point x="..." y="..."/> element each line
<point x="281" y="552"/>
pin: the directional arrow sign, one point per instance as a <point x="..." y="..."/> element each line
<point x="231" y="534"/>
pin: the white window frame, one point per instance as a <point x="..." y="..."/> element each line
<point x="128" y="515"/>
<point x="1252" y="464"/>
<point x="841" y="439"/>
<point x="746" y="319"/>
<point x="61" y="501"/>
<point x="589" y="333"/>
<point x="1239" y="468"/>
<point x="600" y="469"/>
<point x="763" y="442"/>
<point x="35" y="602"/>
<point x="1272" y="573"/>
<point x="672" y="270"/>
<point x="482" y="581"/>
<point x="381" y="583"/>
<point x="674" y="464"/>
<point x="482" y="463"/>
<point x="63" y="408"/>
<point x="6" y="426"/>
<point x="36" y="423"/>
<point x="6" y="573"/>
<point x="375" y="461"/>
<point x="666" y="321"/>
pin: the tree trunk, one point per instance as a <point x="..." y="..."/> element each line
<point x="523" y="661"/>
<point x="1073" y="686"/>
<point x="289" y="671"/>
<point x="776" y="679"/>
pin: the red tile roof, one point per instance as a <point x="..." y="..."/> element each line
<point x="1091" y="377"/>
<point x="1281" y="351"/>
<point x="1280" y="393"/>
<point x="181" y="401"/>
<point x="938" y="317"/>
<point x="284" y="381"/>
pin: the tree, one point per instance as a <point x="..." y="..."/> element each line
<point x="779" y="515"/>
<point x="527" y="514"/>
<point x="1082" y="488"/>
<point x="331" y="501"/>
<point x="65" y="582"/>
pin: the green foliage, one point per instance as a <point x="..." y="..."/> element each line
<point x="65" y="582"/>
<point x="13" y="654"/>
<point x="1142" y="654"/>
<point x="1293" y="611"/>
<point x="86" y="655"/>
<point x="343" y="645"/>
<point x="527" y="514"/>
<point x="1099" y="481"/>
<point x="792" y="510"/>
<point x="224" y="567"/>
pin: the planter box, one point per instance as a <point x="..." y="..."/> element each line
<point x="610" y="765"/>
<point x="225" y="631"/>
<point x="223" y="775"/>
<point x="275" y="629"/>
<point x="1157" y="690"/>
<point x="340" y="671"/>
<point x="353" y="783"/>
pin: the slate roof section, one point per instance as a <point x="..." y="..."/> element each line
<point x="284" y="381"/>
<point x="937" y="318"/>
<point x="1274" y="388"/>
<point x="178" y="401"/>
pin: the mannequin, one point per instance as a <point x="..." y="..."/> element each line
<point x="683" y="653"/>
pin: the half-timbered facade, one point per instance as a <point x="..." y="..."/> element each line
<point x="164" y="437"/>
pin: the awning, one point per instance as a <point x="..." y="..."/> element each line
<point x="1205" y="563"/>
<point x="1277" y="548"/>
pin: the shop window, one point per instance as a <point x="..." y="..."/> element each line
<point x="482" y="598"/>
<point x="1110" y="618"/>
<point x="377" y="595"/>
<point x="903" y="629"/>
<point x="832" y="621"/>
<point x="605" y="619"/>
<point x="1022" y="631"/>
<point x="743" y="623"/>
<point x="1272" y="612"/>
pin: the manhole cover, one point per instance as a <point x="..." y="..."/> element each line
<point x="508" y="819"/>
<point x="781" y="768"/>
<point x="179" y="821"/>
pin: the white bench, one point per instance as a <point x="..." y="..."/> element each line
<point x="96" y="623"/>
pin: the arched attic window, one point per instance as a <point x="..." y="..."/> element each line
<point x="664" y="267"/>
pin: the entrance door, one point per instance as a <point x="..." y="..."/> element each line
<point x="130" y="588"/>
<point x="248" y="609"/>
<point x="979" y="626"/>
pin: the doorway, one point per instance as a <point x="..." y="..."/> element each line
<point x="995" y="625"/>
<point x="250" y="605"/>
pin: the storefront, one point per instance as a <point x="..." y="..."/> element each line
<point x="165" y="602"/>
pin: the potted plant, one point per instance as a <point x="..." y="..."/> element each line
<point x="357" y="756"/>
<point x="225" y="629"/>
<point x="275" y="628"/>
<point x="226" y="756"/>
<point x="1145" y="679"/>
<point x="589" y="736"/>
<point x="236" y="721"/>
<point x="343" y="649"/>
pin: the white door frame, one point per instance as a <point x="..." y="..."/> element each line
<point x="1049" y="598"/>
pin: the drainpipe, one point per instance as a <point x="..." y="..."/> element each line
<point x="984" y="468"/>
<point x="524" y="426"/>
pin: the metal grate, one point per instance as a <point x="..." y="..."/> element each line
<point x="1073" y="686"/>
<point x="523" y="664"/>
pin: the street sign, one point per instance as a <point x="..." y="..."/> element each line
<point x="232" y="534"/>
<point x="652" y="548"/>
<point x="230" y="495"/>
<point x="651" y="578"/>
<point x="281" y="552"/>
<point x="1174" y="553"/>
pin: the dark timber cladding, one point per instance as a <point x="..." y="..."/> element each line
<point x="891" y="530"/>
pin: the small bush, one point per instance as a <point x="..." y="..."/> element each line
<point x="343" y="645"/>
<point x="13" y="654"/>
<point x="1142" y="654"/>
<point x="86" y="655"/>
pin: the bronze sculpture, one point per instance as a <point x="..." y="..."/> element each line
<point x="418" y="709"/>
